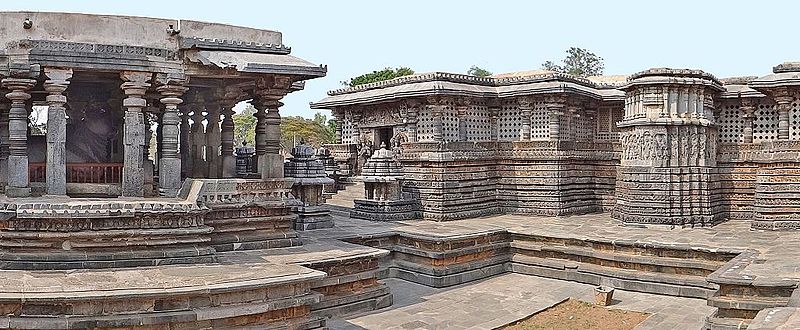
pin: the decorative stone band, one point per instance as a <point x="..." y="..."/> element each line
<point x="225" y="44"/>
<point x="232" y="191"/>
<point x="62" y="47"/>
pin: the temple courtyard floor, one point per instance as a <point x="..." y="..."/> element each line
<point x="503" y="299"/>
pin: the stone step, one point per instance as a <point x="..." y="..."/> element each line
<point x="704" y="266"/>
<point x="631" y="280"/>
<point x="751" y="303"/>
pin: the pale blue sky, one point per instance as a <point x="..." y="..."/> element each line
<point x="726" y="38"/>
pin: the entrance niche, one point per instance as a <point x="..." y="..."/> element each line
<point x="93" y="139"/>
<point x="383" y="137"/>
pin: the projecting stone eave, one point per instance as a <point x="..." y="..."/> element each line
<point x="786" y="74"/>
<point x="448" y="88"/>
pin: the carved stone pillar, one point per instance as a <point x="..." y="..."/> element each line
<point x="338" y="117"/>
<point x="526" y="110"/>
<point x="169" y="165"/>
<point x="273" y="168"/>
<point x="570" y="133"/>
<point x="4" y="109"/>
<point x="231" y="97"/>
<point x="134" y="87"/>
<point x="748" y="113"/>
<point x="260" y="132"/>
<point x="555" y="109"/>
<point x="199" y="165"/>
<point x="784" y="104"/>
<point x="436" y="107"/>
<point x="494" y="113"/>
<point x="412" y="118"/>
<point x="56" y="168"/>
<point x="186" y="143"/>
<point x="213" y="140"/>
<point x="18" y="185"/>
<point x="355" y="117"/>
<point x="461" y="112"/>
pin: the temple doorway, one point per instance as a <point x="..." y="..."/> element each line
<point x="384" y="136"/>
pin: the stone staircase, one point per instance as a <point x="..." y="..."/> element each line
<point x="651" y="269"/>
<point x="342" y="202"/>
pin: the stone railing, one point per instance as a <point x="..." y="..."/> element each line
<point x="101" y="173"/>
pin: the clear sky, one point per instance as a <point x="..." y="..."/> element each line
<point x="726" y="38"/>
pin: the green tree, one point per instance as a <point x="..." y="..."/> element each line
<point x="245" y="126"/>
<point x="578" y="62"/>
<point x="478" y="71"/>
<point x="315" y="132"/>
<point x="375" y="76"/>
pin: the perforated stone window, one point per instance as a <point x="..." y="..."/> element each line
<point x="765" y="123"/>
<point x="449" y="123"/>
<point x="731" y="124"/>
<point x="794" y="120"/>
<point x="607" y="119"/>
<point x="540" y="122"/>
<point x="425" y="126"/>
<point x="347" y="131"/>
<point x="509" y="122"/>
<point x="478" y="123"/>
<point x="583" y="128"/>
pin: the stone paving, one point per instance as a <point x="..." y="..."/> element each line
<point x="503" y="299"/>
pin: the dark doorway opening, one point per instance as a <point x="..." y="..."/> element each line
<point x="384" y="137"/>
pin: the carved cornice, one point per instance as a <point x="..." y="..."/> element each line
<point x="235" y="45"/>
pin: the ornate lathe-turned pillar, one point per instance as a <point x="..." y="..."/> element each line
<point x="269" y="92"/>
<point x="667" y="173"/>
<point x="17" y="184"/>
<point x="232" y="96"/>
<point x="525" y="105"/>
<point x="494" y="115"/>
<point x="169" y="165"/>
<point x="777" y="196"/>
<point x="383" y="182"/>
<point x="134" y="87"/>
<point x="412" y="118"/>
<point x="309" y="181"/>
<point x="555" y="106"/>
<point x="436" y="107"/>
<point x="461" y="112"/>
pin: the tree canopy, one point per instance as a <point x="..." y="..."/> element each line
<point x="375" y="76"/>
<point x="316" y="132"/>
<point x="578" y="62"/>
<point x="478" y="71"/>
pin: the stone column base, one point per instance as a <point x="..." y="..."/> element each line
<point x="313" y="217"/>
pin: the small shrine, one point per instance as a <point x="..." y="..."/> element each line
<point x="384" y="198"/>
<point x="309" y="179"/>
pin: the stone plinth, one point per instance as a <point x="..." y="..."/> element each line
<point x="385" y="201"/>
<point x="62" y="233"/>
<point x="309" y="179"/>
<point x="667" y="172"/>
<point x="249" y="214"/>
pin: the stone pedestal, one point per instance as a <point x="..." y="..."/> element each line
<point x="668" y="173"/>
<point x="309" y="179"/>
<point x="385" y="201"/>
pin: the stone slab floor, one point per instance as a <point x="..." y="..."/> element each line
<point x="503" y="299"/>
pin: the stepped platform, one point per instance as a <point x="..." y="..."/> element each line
<point x="199" y="296"/>
<point x="737" y="270"/>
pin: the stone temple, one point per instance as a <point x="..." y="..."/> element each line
<point x="125" y="206"/>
